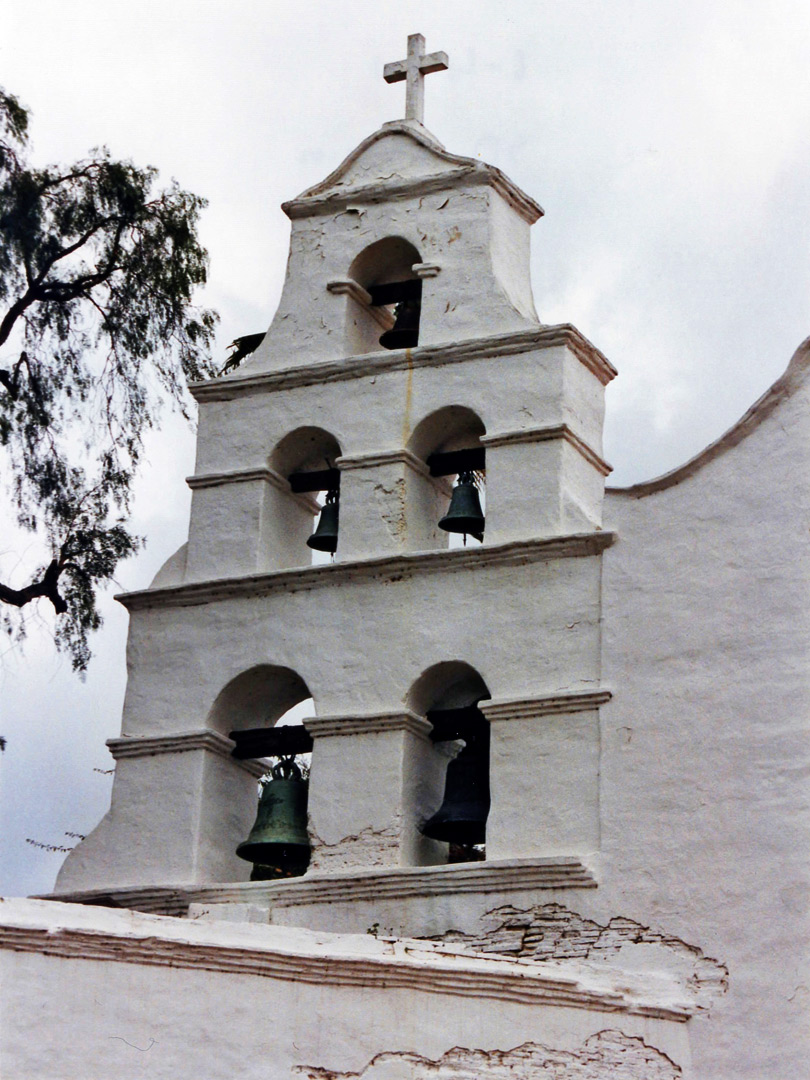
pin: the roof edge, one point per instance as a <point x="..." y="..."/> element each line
<point x="784" y="387"/>
<point x="321" y="197"/>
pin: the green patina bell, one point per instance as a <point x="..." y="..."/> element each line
<point x="464" y="514"/>
<point x="278" y="841"/>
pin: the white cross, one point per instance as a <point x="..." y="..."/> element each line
<point x="414" y="70"/>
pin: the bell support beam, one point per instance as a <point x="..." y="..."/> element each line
<point x="454" y="723"/>
<point x="450" y="462"/>
<point x="316" y="480"/>
<point x="394" y="292"/>
<point x="271" y="742"/>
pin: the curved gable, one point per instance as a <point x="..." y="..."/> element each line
<point x="784" y="388"/>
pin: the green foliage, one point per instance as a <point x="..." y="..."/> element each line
<point x="97" y="332"/>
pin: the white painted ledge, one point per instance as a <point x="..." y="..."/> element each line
<point x="389" y="883"/>
<point x="296" y="955"/>
<point x="228" y="387"/>
<point x="380" y="568"/>
<point x="369" y="724"/>
<point x="262" y="473"/>
<point x="131" y="746"/>
<point x="546" y="705"/>
<point x="545" y="434"/>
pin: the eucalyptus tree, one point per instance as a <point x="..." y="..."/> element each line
<point x="98" y="332"/>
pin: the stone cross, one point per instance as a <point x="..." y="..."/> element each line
<point x="413" y="70"/>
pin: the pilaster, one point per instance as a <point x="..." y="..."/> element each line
<point x="375" y="780"/>
<point x="544" y="775"/>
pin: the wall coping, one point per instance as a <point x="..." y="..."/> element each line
<point x="300" y="956"/>
<point x="784" y="387"/>
<point x="228" y="387"/>
<point x="384" y="567"/>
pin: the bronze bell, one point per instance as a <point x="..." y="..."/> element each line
<point x="404" y="334"/>
<point x="464" y="514"/>
<point x="278" y="841"/>
<point x="462" y="817"/>
<point x="325" y="537"/>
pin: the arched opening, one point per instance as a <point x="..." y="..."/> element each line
<point x="262" y="710"/>
<point x="306" y="458"/>
<point x="448" y="694"/>
<point x="449" y="442"/>
<point x="257" y="698"/>
<point x="389" y="302"/>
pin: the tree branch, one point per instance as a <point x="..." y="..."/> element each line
<point x="47" y="586"/>
<point x="13" y="313"/>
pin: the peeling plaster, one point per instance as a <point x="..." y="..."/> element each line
<point x="369" y="847"/>
<point x="551" y="932"/>
<point x="607" y="1053"/>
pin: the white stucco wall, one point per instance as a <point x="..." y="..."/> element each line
<point x="133" y="996"/>
<point x="705" y="752"/>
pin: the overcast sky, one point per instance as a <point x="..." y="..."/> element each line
<point x="667" y="143"/>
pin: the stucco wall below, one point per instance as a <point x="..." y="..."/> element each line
<point x="90" y="992"/>
<point x="705" y="759"/>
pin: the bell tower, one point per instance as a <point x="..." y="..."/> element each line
<point x="456" y="683"/>
<point x="539" y="759"/>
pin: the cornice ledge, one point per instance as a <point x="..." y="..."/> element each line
<point x="415" y="966"/>
<point x="384" y="457"/>
<point x="243" y="476"/>
<point x="357" y="367"/>
<point x="131" y="746"/>
<point x="369" y="724"/>
<point x="546" y="705"/>
<point x="507" y="875"/>
<point x="388" y="567"/>
<point x="475" y="174"/>
<point x="330" y="186"/>
<point x="543" y="434"/>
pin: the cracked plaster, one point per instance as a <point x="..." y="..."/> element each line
<point x="608" y="1053"/>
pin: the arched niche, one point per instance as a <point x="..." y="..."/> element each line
<point x="384" y="262"/>
<point x="257" y="698"/>
<point x="306" y="449"/>
<point x="448" y="694"/>
<point x="452" y="427"/>
<point x="450" y="684"/>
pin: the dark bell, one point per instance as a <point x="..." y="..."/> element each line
<point x="278" y="841"/>
<point x="462" y="817"/>
<point x="404" y="334"/>
<point x="464" y="514"/>
<point x="325" y="537"/>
